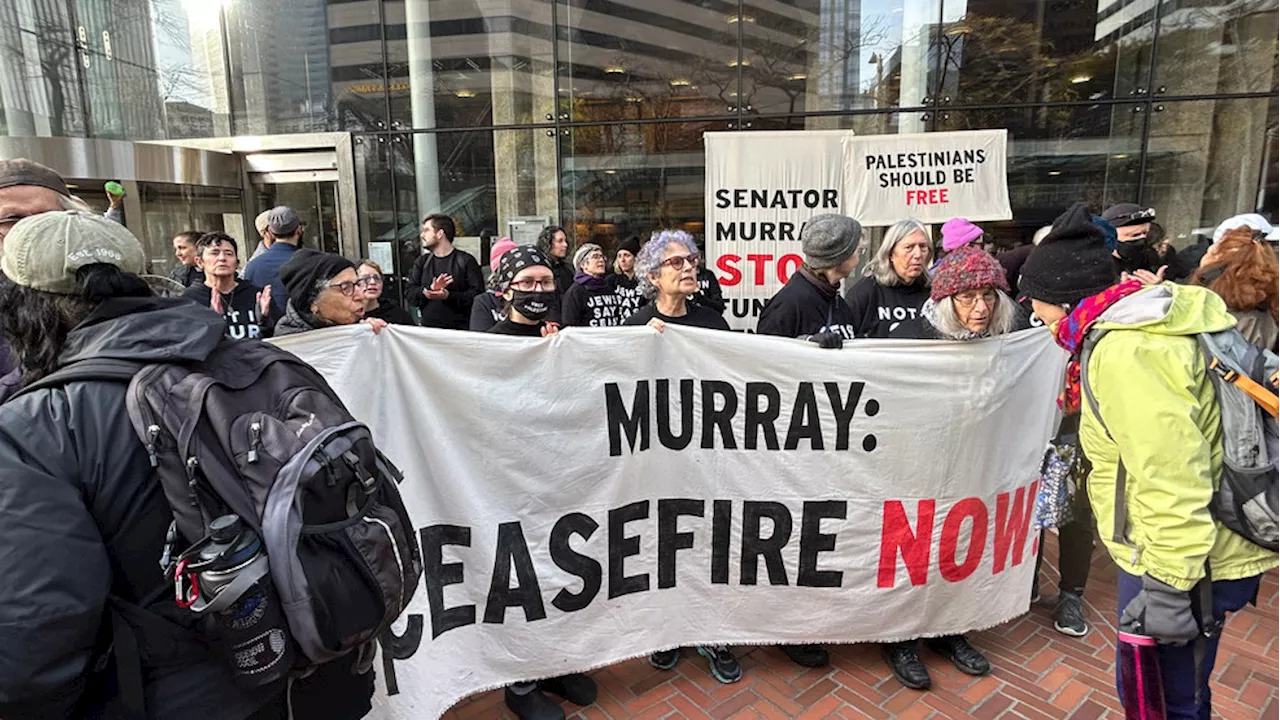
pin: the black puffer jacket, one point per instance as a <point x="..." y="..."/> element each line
<point x="82" y="517"/>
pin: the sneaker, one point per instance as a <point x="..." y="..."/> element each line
<point x="724" y="666"/>
<point x="666" y="659"/>
<point x="1035" y="593"/>
<point x="1068" y="615"/>
<point x="576" y="688"/>
<point x="905" y="664"/>
<point x="533" y="705"/>
<point x="807" y="655"/>
<point x="963" y="655"/>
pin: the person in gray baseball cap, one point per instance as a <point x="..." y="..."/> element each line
<point x="283" y="234"/>
<point x="809" y="306"/>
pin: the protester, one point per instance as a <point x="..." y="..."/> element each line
<point x="1133" y="250"/>
<point x="187" y="272"/>
<point x="1013" y="260"/>
<point x="376" y="305"/>
<point x="1158" y="413"/>
<point x="444" y="281"/>
<point x="323" y="290"/>
<point x="1242" y="270"/>
<point x="1166" y="253"/>
<point x="554" y="244"/>
<point x="245" y="307"/>
<point x="529" y="293"/>
<point x="486" y="309"/>
<point x="967" y="301"/>
<point x="667" y="271"/>
<point x="623" y="280"/>
<point x="85" y="518"/>
<point x="957" y="233"/>
<point x="809" y="305"/>
<point x="260" y="224"/>
<point x="284" y="232"/>
<point x="26" y="188"/>
<point x="591" y="302"/>
<point x="895" y="285"/>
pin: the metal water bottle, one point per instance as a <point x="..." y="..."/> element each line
<point x="235" y="590"/>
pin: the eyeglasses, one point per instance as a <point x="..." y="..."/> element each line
<point x="594" y="256"/>
<point x="528" y="285"/>
<point x="349" y="287"/>
<point x="678" y="262"/>
<point x="970" y="298"/>
<point x="372" y="279"/>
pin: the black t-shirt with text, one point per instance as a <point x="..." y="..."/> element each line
<point x="878" y="309"/>
<point x="695" y="316"/>
<point x="239" y="309"/>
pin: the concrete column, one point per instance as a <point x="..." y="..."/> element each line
<point x="422" y="105"/>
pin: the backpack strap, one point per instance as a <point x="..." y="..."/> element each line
<point x="1218" y="366"/>
<point x="1121" y="517"/>
<point x="91" y="369"/>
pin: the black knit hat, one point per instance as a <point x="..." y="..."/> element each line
<point x="305" y="270"/>
<point x="1071" y="263"/>
<point x="631" y="245"/>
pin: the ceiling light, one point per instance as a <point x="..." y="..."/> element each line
<point x="1120" y="157"/>
<point x="1055" y="172"/>
<point x="735" y="19"/>
<point x="610" y="172"/>
<point x="797" y="76"/>
<point x="1081" y="79"/>
<point x="615" y="70"/>
<point x="634" y="99"/>
<point x="464" y="94"/>
<point x="744" y="63"/>
<point x="680" y="82"/>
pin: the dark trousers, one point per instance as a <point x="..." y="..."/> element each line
<point x="1178" y="664"/>
<point x="1075" y="547"/>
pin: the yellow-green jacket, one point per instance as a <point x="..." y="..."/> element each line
<point x="1149" y="379"/>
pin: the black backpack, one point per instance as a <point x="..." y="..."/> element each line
<point x="289" y="540"/>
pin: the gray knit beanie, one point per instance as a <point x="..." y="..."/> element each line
<point x="829" y="240"/>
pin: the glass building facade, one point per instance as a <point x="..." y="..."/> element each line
<point x="591" y="113"/>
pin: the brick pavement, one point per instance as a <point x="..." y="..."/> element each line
<point x="1037" y="674"/>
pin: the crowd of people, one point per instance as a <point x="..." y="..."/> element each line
<point x="73" y="286"/>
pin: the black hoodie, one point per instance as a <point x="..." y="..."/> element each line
<point x="878" y="309"/>
<point x="805" y="306"/>
<point x="240" y="309"/>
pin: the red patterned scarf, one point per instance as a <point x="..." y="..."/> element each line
<point x="1071" y="331"/>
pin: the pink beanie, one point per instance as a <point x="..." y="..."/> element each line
<point x="958" y="232"/>
<point x="500" y="248"/>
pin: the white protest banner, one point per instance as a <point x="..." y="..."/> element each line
<point x="931" y="177"/>
<point x="602" y="494"/>
<point x="761" y="187"/>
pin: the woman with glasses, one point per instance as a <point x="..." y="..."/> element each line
<point x="591" y="301"/>
<point x="968" y="300"/>
<point x="667" y="271"/>
<point x="530" y="293"/>
<point x="375" y="305"/>
<point x="324" y="290"/>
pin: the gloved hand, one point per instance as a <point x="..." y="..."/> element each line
<point x="827" y="340"/>
<point x="1162" y="612"/>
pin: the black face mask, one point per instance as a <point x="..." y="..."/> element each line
<point x="533" y="304"/>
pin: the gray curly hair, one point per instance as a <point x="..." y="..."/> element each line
<point x="881" y="266"/>
<point x="649" y="261"/>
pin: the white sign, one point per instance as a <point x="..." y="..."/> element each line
<point x="761" y="189"/>
<point x="692" y="487"/>
<point x="931" y="177"/>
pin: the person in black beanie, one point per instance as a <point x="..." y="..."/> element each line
<point x="623" y="279"/>
<point x="324" y="290"/>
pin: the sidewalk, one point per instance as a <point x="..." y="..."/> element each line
<point x="1037" y="674"/>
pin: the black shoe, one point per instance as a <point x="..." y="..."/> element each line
<point x="666" y="659"/>
<point x="968" y="660"/>
<point x="724" y="666"/>
<point x="807" y="655"/>
<point x="533" y="705"/>
<point x="1068" y="615"/>
<point x="906" y="665"/>
<point x="576" y="688"/>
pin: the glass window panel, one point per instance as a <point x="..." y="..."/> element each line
<point x="1060" y="155"/>
<point x="355" y="66"/>
<point x="626" y="60"/>
<point x="40" y="72"/>
<point x="629" y="179"/>
<point x="168" y="209"/>
<point x="456" y="63"/>
<point x="1217" y="48"/>
<point x="991" y="52"/>
<point x="822" y="55"/>
<point x="1208" y="160"/>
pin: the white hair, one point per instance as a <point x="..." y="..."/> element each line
<point x="649" y="261"/>
<point x="947" y="320"/>
<point x="1041" y="234"/>
<point x="881" y="265"/>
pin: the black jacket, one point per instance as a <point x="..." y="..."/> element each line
<point x="240" y="309"/>
<point x="293" y="322"/>
<point x="877" y="309"/>
<point x="591" y="304"/>
<point x="453" y="312"/>
<point x="802" y="308"/>
<point x="563" y="274"/>
<point x="709" y="294"/>
<point x="486" y="312"/>
<point x="187" y="275"/>
<point x="391" y="312"/>
<point x="82" y="517"/>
